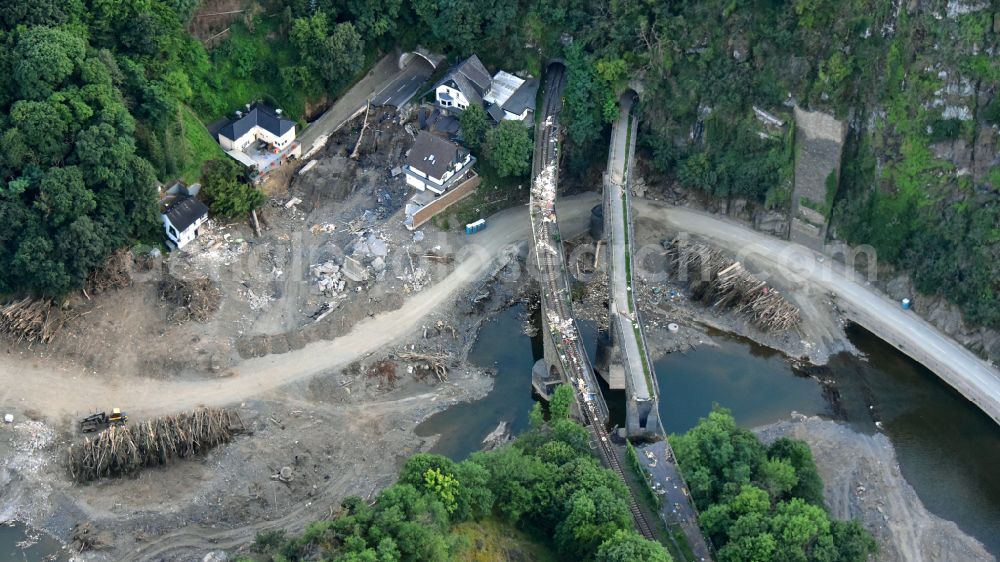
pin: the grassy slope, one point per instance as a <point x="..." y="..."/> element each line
<point x="499" y="541"/>
<point x="201" y="146"/>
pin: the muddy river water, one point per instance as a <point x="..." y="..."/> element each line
<point x="947" y="448"/>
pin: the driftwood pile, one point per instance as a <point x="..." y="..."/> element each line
<point x="719" y="281"/>
<point x="114" y="273"/>
<point x="428" y="364"/>
<point x="193" y="299"/>
<point x="126" y="450"/>
<point x="31" y="320"/>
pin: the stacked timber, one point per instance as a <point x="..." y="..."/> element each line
<point x="721" y="282"/>
<point x="31" y="320"/>
<point x="126" y="450"/>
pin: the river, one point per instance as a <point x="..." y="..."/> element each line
<point x="947" y="448"/>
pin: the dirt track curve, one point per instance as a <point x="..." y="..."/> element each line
<point x="57" y="391"/>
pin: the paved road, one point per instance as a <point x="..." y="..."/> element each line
<point x="353" y="100"/>
<point x="405" y="85"/>
<point x="622" y="314"/>
<point x="56" y="391"/>
<point x="972" y="377"/>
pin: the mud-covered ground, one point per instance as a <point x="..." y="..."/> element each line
<point x="344" y="433"/>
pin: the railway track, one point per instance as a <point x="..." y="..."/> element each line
<point x="555" y="289"/>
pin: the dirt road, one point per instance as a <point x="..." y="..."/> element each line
<point x="57" y="391"/>
<point x="352" y="101"/>
<point x="974" y="378"/>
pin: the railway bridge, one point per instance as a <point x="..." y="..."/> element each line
<point x="564" y="359"/>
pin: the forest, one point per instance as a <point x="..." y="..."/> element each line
<point x="760" y="503"/>
<point x="109" y="95"/>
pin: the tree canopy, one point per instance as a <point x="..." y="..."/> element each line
<point x="547" y="481"/>
<point x="761" y="503"/>
<point x="508" y="149"/>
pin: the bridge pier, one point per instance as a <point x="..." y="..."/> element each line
<point x="642" y="419"/>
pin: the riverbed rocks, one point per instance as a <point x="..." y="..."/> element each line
<point x="862" y="480"/>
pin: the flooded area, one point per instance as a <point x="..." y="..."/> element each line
<point x="502" y="346"/>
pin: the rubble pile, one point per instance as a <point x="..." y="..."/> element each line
<point x="564" y="327"/>
<point x="193" y="299"/>
<point x="328" y="278"/>
<point x="543" y="193"/>
<point x="114" y="273"/>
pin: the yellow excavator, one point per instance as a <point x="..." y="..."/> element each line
<point x="100" y="421"/>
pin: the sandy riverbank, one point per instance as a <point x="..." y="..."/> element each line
<point x="862" y="480"/>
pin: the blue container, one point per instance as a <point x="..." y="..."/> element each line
<point x="906" y="304"/>
<point x="474" y="227"/>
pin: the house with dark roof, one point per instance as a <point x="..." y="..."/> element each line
<point x="435" y="164"/>
<point x="464" y="84"/>
<point x="258" y="123"/>
<point x="504" y="95"/>
<point x="181" y="220"/>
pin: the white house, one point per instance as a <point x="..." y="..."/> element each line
<point x="504" y="96"/>
<point x="259" y="123"/>
<point x="182" y="219"/>
<point x="464" y="84"/>
<point x="435" y="164"/>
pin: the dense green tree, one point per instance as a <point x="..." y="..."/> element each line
<point x="508" y="149"/>
<point x="561" y="403"/>
<point x="374" y="18"/>
<point x="629" y="546"/>
<point x="475" y="124"/>
<point x="226" y="192"/>
<point x="809" y="485"/>
<point x="592" y="516"/>
<point x="43" y="59"/>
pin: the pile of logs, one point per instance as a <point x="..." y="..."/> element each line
<point x="126" y="450"/>
<point x="196" y="299"/>
<point x="721" y="282"/>
<point x="30" y="320"/>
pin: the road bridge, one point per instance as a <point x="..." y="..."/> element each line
<point x="628" y="345"/>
